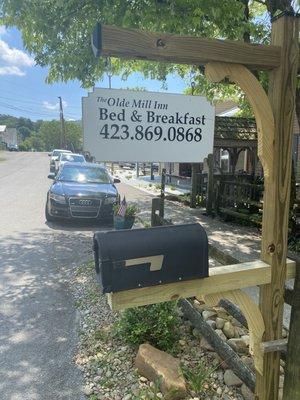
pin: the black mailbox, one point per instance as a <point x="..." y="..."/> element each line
<point x="129" y="259"/>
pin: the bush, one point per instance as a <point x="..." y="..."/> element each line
<point x="156" y="324"/>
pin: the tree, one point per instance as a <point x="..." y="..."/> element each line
<point x="50" y="131"/>
<point x="58" y="34"/>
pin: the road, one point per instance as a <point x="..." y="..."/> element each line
<point x="37" y="317"/>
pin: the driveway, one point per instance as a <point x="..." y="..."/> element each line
<point x="37" y="317"/>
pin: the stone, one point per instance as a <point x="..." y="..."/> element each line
<point x="220" y="322"/>
<point x="248" y="361"/>
<point x="228" y="330"/>
<point x="219" y="391"/>
<point x="157" y="365"/>
<point x="246" y="392"/>
<point x="127" y="397"/>
<point x="246" y="339"/>
<point x="182" y="342"/>
<point x="211" y="323"/>
<point x="238" y="345"/>
<point x="220" y="333"/>
<point x="88" y="391"/>
<point x="207" y="314"/>
<point x="281" y="381"/>
<point x="231" y="379"/>
<point x="205" y="345"/>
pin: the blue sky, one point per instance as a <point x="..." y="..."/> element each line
<point x="23" y="91"/>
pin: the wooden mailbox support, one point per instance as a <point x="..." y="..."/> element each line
<point x="274" y="114"/>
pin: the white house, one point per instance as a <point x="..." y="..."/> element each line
<point x="8" y="136"/>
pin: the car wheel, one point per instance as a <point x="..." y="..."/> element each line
<point x="48" y="216"/>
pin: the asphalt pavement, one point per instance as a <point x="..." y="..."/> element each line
<point x="37" y="316"/>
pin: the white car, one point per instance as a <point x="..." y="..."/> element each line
<point x="68" y="157"/>
<point x="54" y="156"/>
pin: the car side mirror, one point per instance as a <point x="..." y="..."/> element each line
<point x="51" y="176"/>
<point x="117" y="180"/>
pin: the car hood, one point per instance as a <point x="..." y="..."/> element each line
<point x="86" y="189"/>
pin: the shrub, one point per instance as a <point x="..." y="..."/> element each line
<point x="156" y="324"/>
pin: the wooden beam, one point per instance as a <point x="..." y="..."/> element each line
<point x="282" y="88"/>
<point x="274" y="345"/>
<point x="221" y="279"/>
<point x="192" y="50"/>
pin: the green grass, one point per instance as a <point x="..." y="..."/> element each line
<point x="197" y="376"/>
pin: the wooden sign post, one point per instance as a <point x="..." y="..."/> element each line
<point x="274" y="115"/>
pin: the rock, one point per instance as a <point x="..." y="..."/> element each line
<point x="238" y="345"/>
<point x="88" y="390"/>
<point x="246" y="339"/>
<point x="219" y="391"/>
<point x="231" y="379"/>
<point x="248" y="361"/>
<point x="205" y="345"/>
<point x="206" y="314"/>
<point x="127" y="397"/>
<point x="246" y="392"/>
<point x="281" y="381"/>
<point x="220" y="333"/>
<point x="211" y="323"/>
<point x="220" y="322"/>
<point x="238" y="331"/>
<point x="228" y="329"/>
<point x="182" y="342"/>
<point x="143" y="379"/>
<point x="156" y="365"/>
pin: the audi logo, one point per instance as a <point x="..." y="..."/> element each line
<point x="85" y="202"/>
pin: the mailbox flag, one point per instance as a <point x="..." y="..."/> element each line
<point x="122" y="209"/>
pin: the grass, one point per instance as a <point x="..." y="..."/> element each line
<point x="197" y="376"/>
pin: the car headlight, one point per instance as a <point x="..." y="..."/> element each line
<point x="58" y="198"/>
<point x="110" y="200"/>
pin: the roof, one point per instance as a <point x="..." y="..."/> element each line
<point x="2" y="128"/>
<point x="235" y="128"/>
<point x="224" y="107"/>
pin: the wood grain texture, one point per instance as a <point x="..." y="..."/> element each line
<point x="131" y="44"/>
<point x="253" y="316"/>
<point x="217" y="72"/>
<point x="221" y="279"/>
<point x="274" y="345"/>
<point x="282" y="87"/>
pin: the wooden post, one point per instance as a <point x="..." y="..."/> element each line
<point x="210" y="184"/>
<point x="137" y="170"/>
<point x="282" y="87"/>
<point x="291" y="388"/>
<point x="194" y="186"/>
<point x="163" y="184"/>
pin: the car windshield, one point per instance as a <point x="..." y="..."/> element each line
<point x="83" y="175"/>
<point x="56" y="153"/>
<point x="72" y="158"/>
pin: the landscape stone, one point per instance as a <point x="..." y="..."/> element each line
<point x="238" y="345"/>
<point x="156" y="365"/>
<point x="246" y="339"/>
<point x="211" y="323"/>
<point x="205" y="345"/>
<point x="228" y="329"/>
<point x="246" y="392"/>
<point x="220" y="322"/>
<point x="220" y="333"/>
<point x="206" y="314"/>
<point x="231" y="379"/>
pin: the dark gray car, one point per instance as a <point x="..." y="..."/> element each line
<point x="81" y="190"/>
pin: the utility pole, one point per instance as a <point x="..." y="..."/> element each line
<point x="62" y="123"/>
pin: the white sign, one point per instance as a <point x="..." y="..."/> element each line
<point x="127" y="125"/>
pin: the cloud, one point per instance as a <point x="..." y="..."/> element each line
<point x="53" y="106"/>
<point x="14" y="56"/>
<point x="11" y="70"/>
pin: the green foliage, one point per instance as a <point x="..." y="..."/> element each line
<point x="131" y="210"/>
<point x="197" y="376"/>
<point x="50" y="135"/>
<point x="156" y="324"/>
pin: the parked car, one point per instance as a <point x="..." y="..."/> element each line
<point x="68" y="157"/>
<point x="13" y="147"/>
<point x="81" y="190"/>
<point x="54" y="156"/>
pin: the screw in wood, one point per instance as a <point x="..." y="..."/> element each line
<point x="160" y="43"/>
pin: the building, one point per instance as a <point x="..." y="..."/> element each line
<point x="8" y="136"/>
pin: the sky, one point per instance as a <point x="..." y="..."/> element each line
<point x="24" y="92"/>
